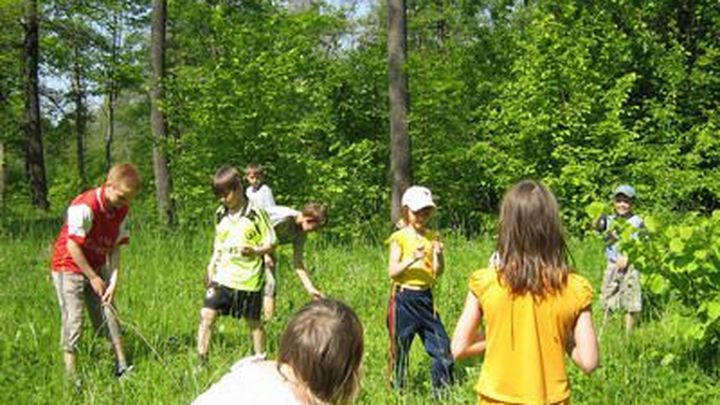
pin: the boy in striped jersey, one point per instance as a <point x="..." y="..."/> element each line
<point x="243" y="234"/>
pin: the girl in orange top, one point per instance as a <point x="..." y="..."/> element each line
<point x="535" y="307"/>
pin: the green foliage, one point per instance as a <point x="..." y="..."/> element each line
<point x="10" y="69"/>
<point x="269" y="94"/>
<point x="582" y="95"/>
<point x="683" y="261"/>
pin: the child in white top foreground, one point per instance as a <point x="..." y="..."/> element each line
<point x="319" y="362"/>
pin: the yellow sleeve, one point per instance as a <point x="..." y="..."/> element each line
<point x="582" y="292"/>
<point x="480" y="281"/>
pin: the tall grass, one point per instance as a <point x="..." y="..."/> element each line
<point x="161" y="293"/>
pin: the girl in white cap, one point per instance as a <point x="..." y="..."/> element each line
<point x="416" y="260"/>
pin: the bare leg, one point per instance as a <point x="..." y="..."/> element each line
<point x="70" y="362"/>
<point x="268" y="307"/>
<point x="120" y="355"/>
<point x="207" y="318"/>
<point x="269" y="292"/>
<point x="630" y="322"/>
<point x="258" y="336"/>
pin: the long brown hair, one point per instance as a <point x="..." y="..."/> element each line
<point x="323" y="344"/>
<point x="533" y="252"/>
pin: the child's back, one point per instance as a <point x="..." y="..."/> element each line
<point x="534" y="305"/>
<point x="527" y="331"/>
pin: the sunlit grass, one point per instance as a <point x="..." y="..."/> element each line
<point x="161" y="293"/>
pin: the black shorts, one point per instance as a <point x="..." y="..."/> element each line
<point x="236" y="303"/>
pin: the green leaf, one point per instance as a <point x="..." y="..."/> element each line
<point x="713" y="310"/>
<point x="596" y="209"/>
<point x="701" y="254"/>
<point x="651" y="224"/>
<point x="677" y="246"/>
<point x="667" y="359"/>
<point x="686" y="232"/>
<point x="657" y="284"/>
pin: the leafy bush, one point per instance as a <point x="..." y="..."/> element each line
<point x="679" y="261"/>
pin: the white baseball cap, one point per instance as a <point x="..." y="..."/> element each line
<point x="417" y="198"/>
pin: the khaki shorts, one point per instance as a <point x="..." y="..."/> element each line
<point x="73" y="293"/>
<point x="621" y="290"/>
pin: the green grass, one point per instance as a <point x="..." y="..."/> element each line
<point x="161" y="292"/>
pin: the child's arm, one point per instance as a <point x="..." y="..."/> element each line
<point x="114" y="267"/>
<point x="269" y="238"/>
<point x="96" y="282"/>
<point x="269" y="200"/>
<point x="395" y="265"/>
<point x="301" y="271"/>
<point x="212" y="265"/>
<point x="257" y="250"/>
<point x="584" y="348"/>
<point x="438" y="258"/>
<point x="468" y="340"/>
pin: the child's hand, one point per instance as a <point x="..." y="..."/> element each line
<point x="248" y="251"/>
<point x="316" y="294"/>
<point x="98" y="285"/>
<point x="621" y="263"/>
<point x="437" y="246"/>
<point x="269" y="262"/>
<point x="419" y="253"/>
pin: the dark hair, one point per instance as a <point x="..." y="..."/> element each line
<point x="226" y="179"/>
<point x="533" y="252"/>
<point x="323" y="344"/>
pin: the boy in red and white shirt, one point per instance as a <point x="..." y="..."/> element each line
<point x="86" y="261"/>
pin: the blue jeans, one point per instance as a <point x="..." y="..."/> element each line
<point x="412" y="312"/>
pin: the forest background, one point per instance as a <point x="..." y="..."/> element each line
<point x="583" y="95"/>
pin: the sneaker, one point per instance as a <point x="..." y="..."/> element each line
<point x="121" y="372"/>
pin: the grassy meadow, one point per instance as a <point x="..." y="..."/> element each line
<point x="161" y="292"/>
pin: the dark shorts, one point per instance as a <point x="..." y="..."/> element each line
<point x="236" y="303"/>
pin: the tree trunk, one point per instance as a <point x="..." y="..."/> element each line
<point x="80" y="116"/>
<point x="400" y="152"/>
<point x="2" y="173"/>
<point x="157" y="116"/>
<point x="34" y="159"/>
<point x="110" y="133"/>
<point x="112" y="91"/>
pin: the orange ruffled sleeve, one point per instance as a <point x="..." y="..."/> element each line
<point x="582" y="292"/>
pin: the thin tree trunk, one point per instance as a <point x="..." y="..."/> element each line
<point x="80" y="116"/>
<point x="112" y="92"/>
<point x="400" y="151"/>
<point x="110" y="134"/>
<point x="34" y="159"/>
<point x="2" y="173"/>
<point x="157" y="116"/>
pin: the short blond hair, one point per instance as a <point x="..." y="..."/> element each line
<point x="126" y="174"/>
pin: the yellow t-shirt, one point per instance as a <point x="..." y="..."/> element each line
<point x="526" y="335"/>
<point x="420" y="273"/>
